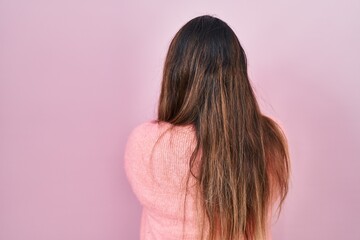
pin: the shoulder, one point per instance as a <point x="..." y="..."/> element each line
<point x="144" y="132"/>
<point x="145" y="129"/>
<point x="154" y="126"/>
<point x="149" y="131"/>
<point x="137" y="143"/>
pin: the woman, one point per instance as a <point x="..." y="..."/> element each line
<point x="211" y="166"/>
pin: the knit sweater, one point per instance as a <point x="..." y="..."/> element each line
<point x="157" y="166"/>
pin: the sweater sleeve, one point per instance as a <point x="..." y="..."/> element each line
<point x="133" y="156"/>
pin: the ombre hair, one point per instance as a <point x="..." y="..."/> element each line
<point x="244" y="163"/>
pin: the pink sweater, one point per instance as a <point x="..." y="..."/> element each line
<point x="159" y="182"/>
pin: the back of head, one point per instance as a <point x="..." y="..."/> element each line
<point x="205" y="65"/>
<point x="244" y="160"/>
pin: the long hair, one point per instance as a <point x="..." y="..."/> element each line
<point x="244" y="160"/>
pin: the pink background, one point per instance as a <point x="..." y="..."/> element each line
<point x="77" y="76"/>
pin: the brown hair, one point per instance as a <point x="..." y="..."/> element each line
<point x="244" y="154"/>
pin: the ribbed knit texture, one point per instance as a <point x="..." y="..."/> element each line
<point x="157" y="176"/>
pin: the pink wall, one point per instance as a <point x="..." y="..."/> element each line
<point x="77" y="76"/>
